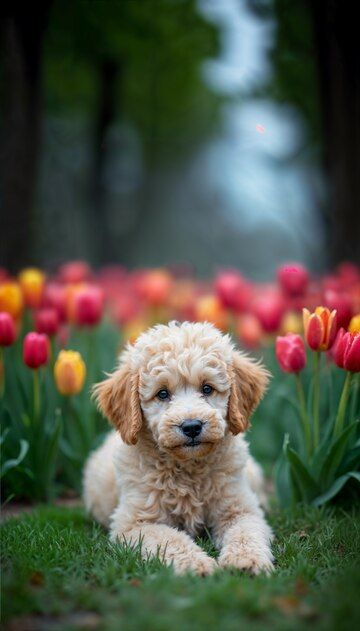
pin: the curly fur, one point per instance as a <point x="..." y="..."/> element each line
<point x="146" y="482"/>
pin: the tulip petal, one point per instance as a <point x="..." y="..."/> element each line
<point x="315" y="332"/>
<point x="352" y="354"/>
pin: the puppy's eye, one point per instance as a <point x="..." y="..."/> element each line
<point x="207" y="390"/>
<point x="163" y="394"/>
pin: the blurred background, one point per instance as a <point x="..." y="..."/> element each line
<point x="201" y="133"/>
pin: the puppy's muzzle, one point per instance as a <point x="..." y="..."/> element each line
<point x="192" y="428"/>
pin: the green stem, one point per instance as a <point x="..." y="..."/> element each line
<point x="2" y="372"/>
<point x="355" y="399"/>
<point x="303" y="414"/>
<point x="339" y="423"/>
<point x="36" y="392"/>
<point x="316" y="400"/>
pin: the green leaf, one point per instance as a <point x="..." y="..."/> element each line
<point x="335" y="488"/>
<point x="335" y="455"/>
<point x="14" y="462"/>
<point x="307" y="485"/>
<point x="282" y="476"/>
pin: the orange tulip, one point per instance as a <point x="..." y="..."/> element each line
<point x="32" y="282"/>
<point x="69" y="372"/>
<point x="320" y="328"/>
<point x="11" y="299"/>
<point x="209" y="309"/>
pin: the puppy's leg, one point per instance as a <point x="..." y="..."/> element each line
<point x="175" y="547"/>
<point x="241" y="532"/>
<point x="100" y="491"/>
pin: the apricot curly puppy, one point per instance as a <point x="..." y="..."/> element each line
<point x="180" y="400"/>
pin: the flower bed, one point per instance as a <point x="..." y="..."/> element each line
<point x="60" y="333"/>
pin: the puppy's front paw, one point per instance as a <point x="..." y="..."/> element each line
<point x="200" y="564"/>
<point x="247" y="559"/>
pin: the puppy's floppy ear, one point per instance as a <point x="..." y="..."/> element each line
<point x="248" y="384"/>
<point x="118" y="399"/>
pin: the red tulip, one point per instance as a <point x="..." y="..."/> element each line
<point x="343" y="305"/>
<point x="269" y="309"/>
<point x="346" y="351"/>
<point x="7" y="329"/>
<point x="74" y="272"/>
<point x="88" y="305"/>
<point x="47" y="321"/>
<point x="293" y="279"/>
<point x="290" y="352"/>
<point x="36" y="349"/>
<point x="232" y="290"/>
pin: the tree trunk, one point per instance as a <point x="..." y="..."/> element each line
<point x="336" y="37"/>
<point x="105" y="116"/>
<point x="23" y="34"/>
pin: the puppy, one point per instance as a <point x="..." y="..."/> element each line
<point x="180" y="401"/>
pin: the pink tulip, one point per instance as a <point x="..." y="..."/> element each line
<point x="293" y="279"/>
<point x="74" y="272"/>
<point x="346" y="351"/>
<point x="36" y="349"/>
<point x="230" y="287"/>
<point x="290" y="353"/>
<point x="47" y="321"/>
<point x="342" y="303"/>
<point x="269" y="309"/>
<point x="88" y="306"/>
<point x="7" y="329"/>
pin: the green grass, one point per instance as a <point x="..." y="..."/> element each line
<point x="61" y="572"/>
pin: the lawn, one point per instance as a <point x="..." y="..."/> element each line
<point x="61" y="572"/>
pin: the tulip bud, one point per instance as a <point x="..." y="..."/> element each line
<point x="36" y="348"/>
<point x="69" y="372"/>
<point x="32" y="283"/>
<point x="55" y="296"/>
<point x="11" y="299"/>
<point x="47" y="321"/>
<point x="88" y="303"/>
<point x="7" y="329"/>
<point x="320" y="328"/>
<point x="293" y="279"/>
<point x="346" y="351"/>
<point x="290" y="353"/>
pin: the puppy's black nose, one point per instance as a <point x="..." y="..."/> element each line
<point x="192" y="427"/>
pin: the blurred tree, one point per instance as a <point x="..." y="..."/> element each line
<point x="22" y="34"/>
<point x="132" y="60"/>
<point x="316" y="67"/>
<point x="135" y="61"/>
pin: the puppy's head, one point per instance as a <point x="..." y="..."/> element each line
<point x="186" y="385"/>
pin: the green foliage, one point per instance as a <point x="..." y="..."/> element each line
<point x="54" y="440"/>
<point x="292" y="54"/>
<point x="58" y="566"/>
<point x="321" y="475"/>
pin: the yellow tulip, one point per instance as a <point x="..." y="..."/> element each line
<point x="354" y="326"/>
<point x="32" y="281"/>
<point x="69" y="372"/>
<point x="292" y="323"/>
<point x="11" y="299"/>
